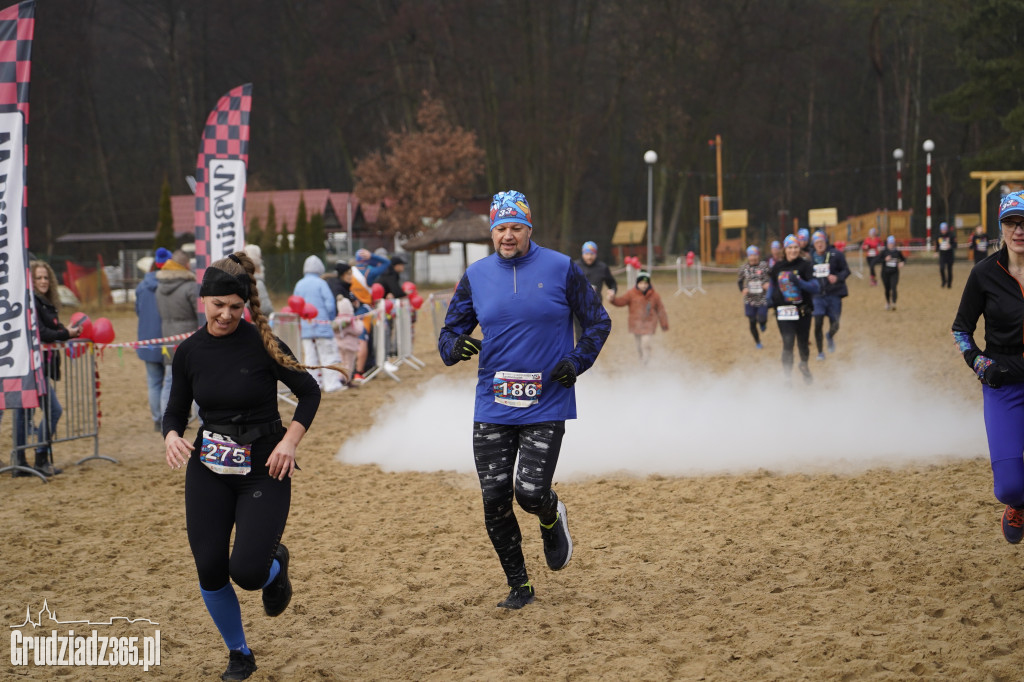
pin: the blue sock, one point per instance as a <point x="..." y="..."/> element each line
<point x="227" y="616"/>
<point x="275" y="568"/>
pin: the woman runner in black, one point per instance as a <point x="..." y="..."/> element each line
<point x="240" y="464"/>
<point x="793" y="284"/>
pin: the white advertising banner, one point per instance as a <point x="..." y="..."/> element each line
<point x="226" y="190"/>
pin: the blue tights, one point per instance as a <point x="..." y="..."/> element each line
<point x="1004" y="415"/>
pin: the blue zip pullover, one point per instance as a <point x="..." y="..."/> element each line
<point x="525" y="307"/>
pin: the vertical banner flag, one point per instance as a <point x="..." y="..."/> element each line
<point x="220" y="179"/>
<point x="21" y="375"/>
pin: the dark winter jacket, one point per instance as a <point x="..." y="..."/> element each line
<point x="50" y="331"/>
<point x="993" y="292"/>
<point x="150" y="326"/>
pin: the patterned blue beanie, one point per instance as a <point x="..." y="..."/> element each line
<point x="803" y="233"/>
<point x="776" y="244"/>
<point x="1011" y="204"/>
<point x="510" y="207"/>
<point x="589" y="247"/>
<point x="753" y="250"/>
<point x="818" y="234"/>
<point x="789" y="241"/>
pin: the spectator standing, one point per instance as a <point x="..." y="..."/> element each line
<point x="318" y="346"/>
<point x="945" y="244"/>
<point x="158" y="374"/>
<point x="255" y="254"/>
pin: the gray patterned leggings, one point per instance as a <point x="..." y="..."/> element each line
<point x="494" y="450"/>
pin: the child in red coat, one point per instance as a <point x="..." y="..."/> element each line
<point x="646" y="312"/>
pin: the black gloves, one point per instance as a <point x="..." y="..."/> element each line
<point x="466" y="347"/>
<point x="995" y="376"/>
<point x="564" y="373"/>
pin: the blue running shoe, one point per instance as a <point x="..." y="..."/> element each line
<point x="821" y="356"/>
<point x="1013" y="524"/>
<point x="759" y="346"/>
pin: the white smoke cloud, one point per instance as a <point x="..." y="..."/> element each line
<point x="681" y="420"/>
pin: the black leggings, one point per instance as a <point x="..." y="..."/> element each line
<point x="890" y="280"/>
<point x="946" y="268"/>
<point x="819" y="322"/>
<point x="799" y="331"/>
<point x="256" y="505"/>
<point x="494" y="450"/>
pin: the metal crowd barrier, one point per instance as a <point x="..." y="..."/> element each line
<point x="438" y="310"/>
<point x="287" y="328"/>
<point x="78" y="393"/>
<point x="689" y="278"/>
<point x="404" y="321"/>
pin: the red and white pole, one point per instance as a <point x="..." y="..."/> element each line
<point x="928" y="147"/>
<point x="898" y="155"/>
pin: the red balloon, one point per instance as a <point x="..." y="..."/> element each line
<point x="309" y="312"/>
<point x="416" y="301"/>
<point x="102" y="331"/>
<point x="86" y="324"/>
<point x="409" y="287"/>
<point x="297" y="304"/>
<point x="287" y="309"/>
<point x="389" y="305"/>
<point x="377" y="291"/>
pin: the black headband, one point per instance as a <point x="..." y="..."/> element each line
<point x="216" y="282"/>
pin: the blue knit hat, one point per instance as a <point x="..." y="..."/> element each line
<point x="776" y="244"/>
<point x="753" y="251"/>
<point x="818" y="234"/>
<point x="510" y="207"/>
<point x="803" y="233"/>
<point x="589" y="247"/>
<point x="162" y="256"/>
<point x="790" y="240"/>
<point x="890" y="241"/>
<point x="1011" y="204"/>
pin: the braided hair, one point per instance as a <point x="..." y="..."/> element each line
<point x="240" y="263"/>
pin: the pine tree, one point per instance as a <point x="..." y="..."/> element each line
<point x="165" y="224"/>
<point x="284" y="243"/>
<point x="269" y="241"/>
<point x="255" y="233"/>
<point x="302" y="242"/>
<point x="316" y="233"/>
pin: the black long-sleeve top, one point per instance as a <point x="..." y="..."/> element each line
<point x="598" y="274"/>
<point x="234" y="380"/>
<point x="793" y="283"/>
<point x="993" y="292"/>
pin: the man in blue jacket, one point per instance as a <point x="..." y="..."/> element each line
<point x="524" y="298"/>
<point x="831" y="271"/>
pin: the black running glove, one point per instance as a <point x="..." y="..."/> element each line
<point x="995" y="375"/>
<point x="564" y="373"/>
<point x="466" y="347"/>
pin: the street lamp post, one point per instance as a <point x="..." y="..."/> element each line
<point x="928" y="147"/>
<point x="898" y="155"/>
<point x="650" y="158"/>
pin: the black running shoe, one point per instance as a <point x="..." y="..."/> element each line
<point x="278" y="594"/>
<point x="557" y="542"/>
<point x="240" y="666"/>
<point x="806" y="371"/>
<point x="518" y="597"/>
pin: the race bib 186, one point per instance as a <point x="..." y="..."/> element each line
<point x="222" y="455"/>
<point x="517" y="389"/>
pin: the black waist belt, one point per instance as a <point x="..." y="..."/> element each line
<point x="1004" y="350"/>
<point x="246" y="433"/>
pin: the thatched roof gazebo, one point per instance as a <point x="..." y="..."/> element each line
<point x="462" y="226"/>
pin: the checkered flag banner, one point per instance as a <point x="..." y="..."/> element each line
<point x="21" y="374"/>
<point x="220" y="179"/>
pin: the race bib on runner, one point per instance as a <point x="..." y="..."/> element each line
<point x="517" y="389"/>
<point x="754" y="286"/>
<point x="222" y="455"/>
<point x="821" y="270"/>
<point x="787" y="313"/>
<point x="891" y="263"/>
<point x="872" y="253"/>
<point x="944" y="244"/>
